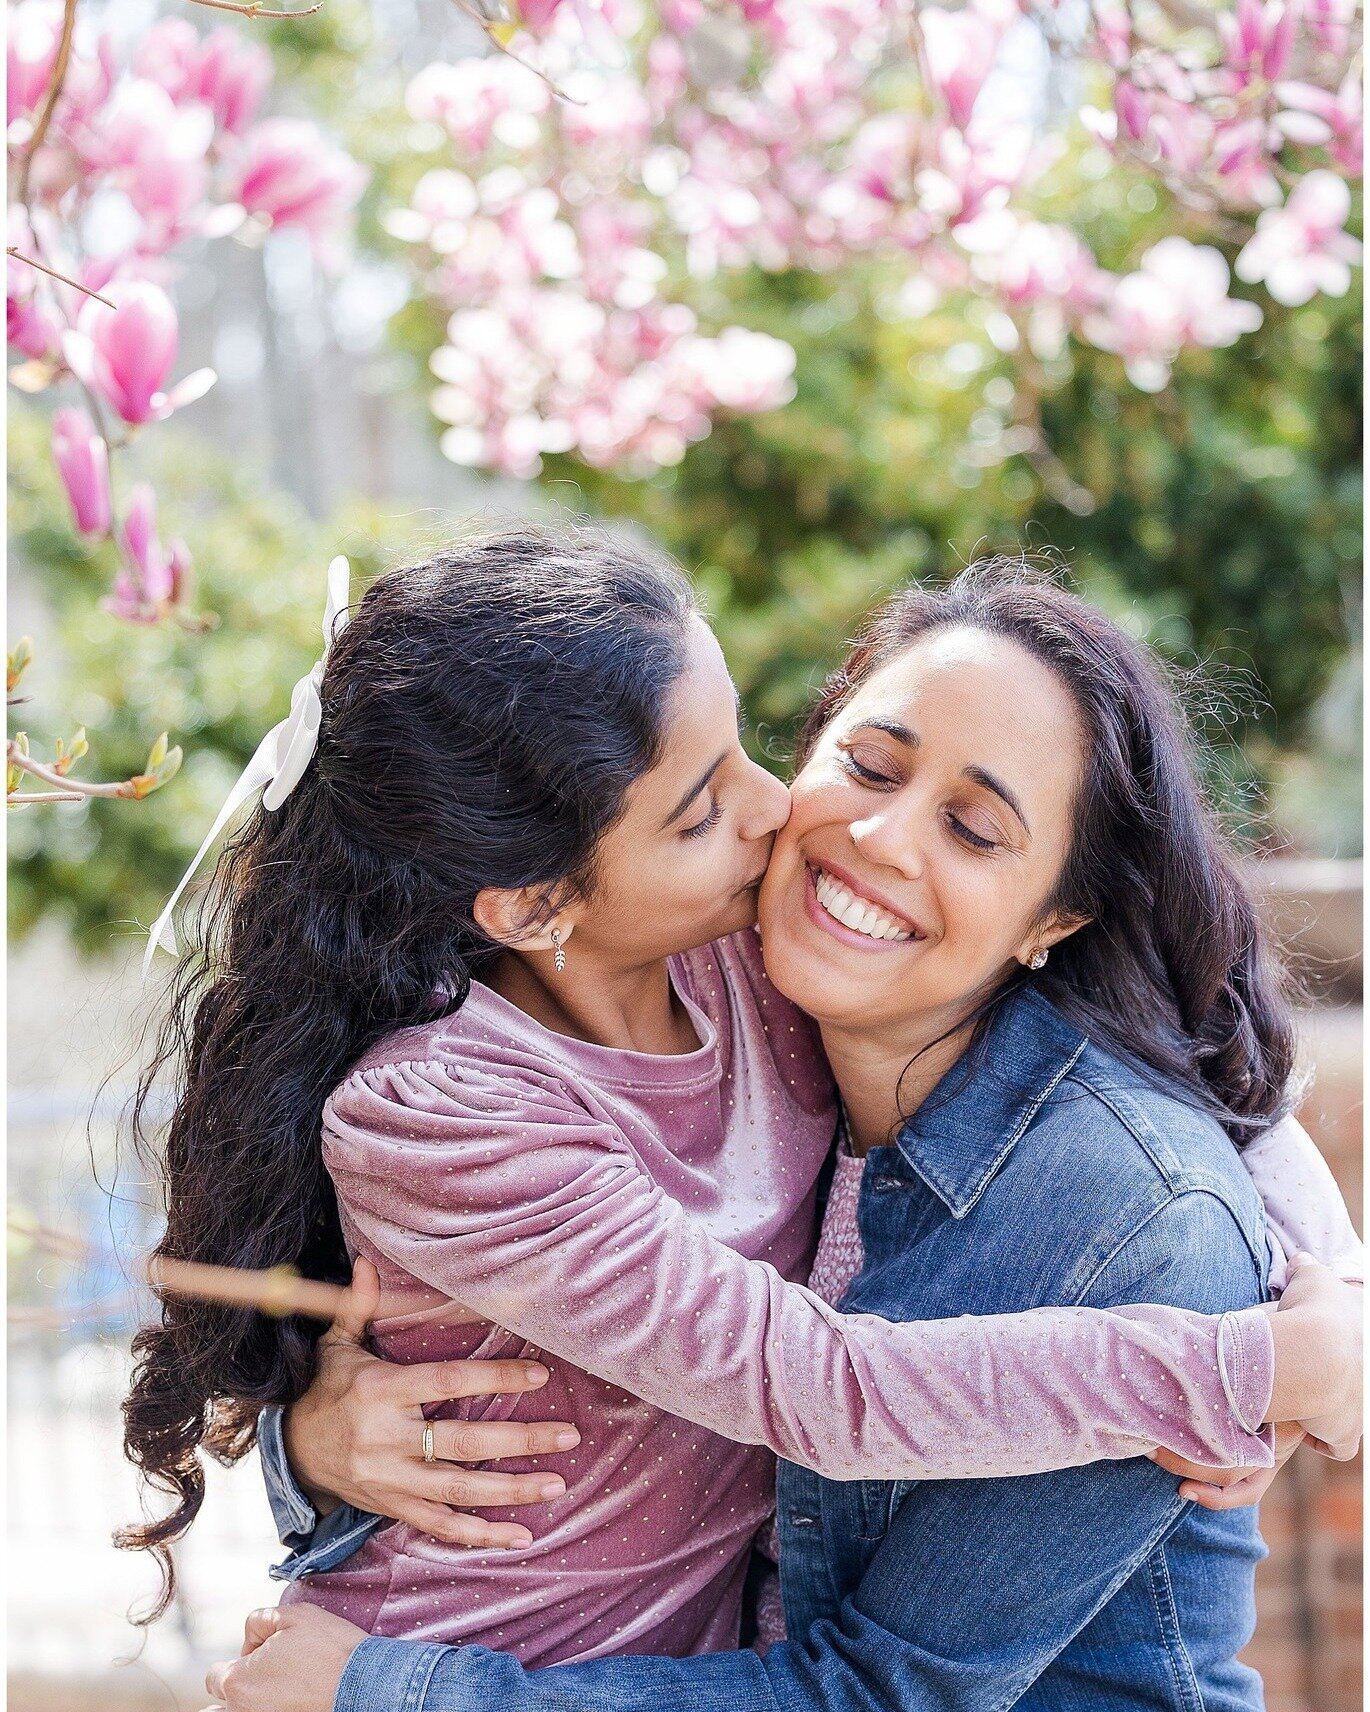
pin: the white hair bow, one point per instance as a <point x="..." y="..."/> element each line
<point x="280" y="760"/>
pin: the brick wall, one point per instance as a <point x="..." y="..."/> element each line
<point x="1308" y="1637"/>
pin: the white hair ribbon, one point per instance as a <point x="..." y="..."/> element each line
<point x="280" y="760"/>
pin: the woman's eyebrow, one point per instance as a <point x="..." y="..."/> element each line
<point x="692" y="793"/>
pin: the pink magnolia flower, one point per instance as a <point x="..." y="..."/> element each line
<point x="1258" y="39"/>
<point x="537" y="14"/>
<point x="33" y="325"/>
<point x="225" y="71"/>
<point x="1341" y="116"/>
<point x="82" y="460"/>
<point x="289" y="174"/>
<point x="739" y="369"/>
<point x="233" y="76"/>
<point x="1177" y="297"/>
<point x="1133" y="109"/>
<point x="30" y="54"/>
<point x="470" y="98"/>
<point x="959" y="48"/>
<point x="125" y="353"/>
<point x="1302" y="248"/>
<point x="152" y="579"/>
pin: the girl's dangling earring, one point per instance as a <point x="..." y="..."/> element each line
<point x="559" y="957"/>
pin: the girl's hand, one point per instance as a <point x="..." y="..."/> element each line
<point x="1230" y="1488"/>
<point x="1320" y="1357"/>
<point x="357" y="1434"/>
<point x="292" y="1660"/>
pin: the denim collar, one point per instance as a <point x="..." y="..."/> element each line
<point x="975" y="1116"/>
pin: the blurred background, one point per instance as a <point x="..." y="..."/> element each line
<point x="894" y="406"/>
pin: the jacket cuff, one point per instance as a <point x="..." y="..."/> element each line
<point x="296" y="1518"/>
<point x="385" y="1675"/>
<point x="1246" y="1365"/>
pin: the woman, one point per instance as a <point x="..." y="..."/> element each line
<point x="314" y="974"/>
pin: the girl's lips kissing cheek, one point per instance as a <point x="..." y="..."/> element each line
<point x="842" y="911"/>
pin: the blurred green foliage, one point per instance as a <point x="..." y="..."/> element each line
<point x="105" y="866"/>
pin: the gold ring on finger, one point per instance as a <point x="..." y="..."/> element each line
<point x="429" y="1454"/>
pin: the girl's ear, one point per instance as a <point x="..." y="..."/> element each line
<point x="519" y="918"/>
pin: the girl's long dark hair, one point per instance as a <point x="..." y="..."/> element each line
<point x="484" y="716"/>
<point x="1172" y="971"/>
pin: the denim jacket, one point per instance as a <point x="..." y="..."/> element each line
<point x="1044" y="1172"/>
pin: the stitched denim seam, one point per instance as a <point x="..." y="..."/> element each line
<point x="1168" y="1620"/>
<point x="1125" y="1574"/>
<point x="1155" y="1212"/>
<point x="1019" y="1130"/>
<point x="1185" y="1181"/>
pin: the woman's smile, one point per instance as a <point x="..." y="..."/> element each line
<point x="842" y="906"/>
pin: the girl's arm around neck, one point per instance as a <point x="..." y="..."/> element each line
<point x="530" y="1212"/>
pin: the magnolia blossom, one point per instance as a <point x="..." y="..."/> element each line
<point x="152" y="579"/>
<point x="225" y="71"/>
<point x="1303" y="248"/>
<point x="1178" y="297"/>
<point x="1259" y="37"/>
<point x="125" y="353"/>
<point x="959" y="48"/>
<point x="30" y="55"/>
<point x="289" y="174"/>
<point x="1336" y="118"/>
<point x="82" y="459"/>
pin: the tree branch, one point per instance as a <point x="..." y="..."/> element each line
<point x="71" y="788"/>
<point x="52" y="273"/>
<point x="253" y="10"/>
<point x="59" y="77"/>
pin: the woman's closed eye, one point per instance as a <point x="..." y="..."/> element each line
<point x="868" y="775"/>
<point x="710" y="820"/>
<point x="975" y="839"/>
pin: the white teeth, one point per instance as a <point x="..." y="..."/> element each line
<point x="860" y="917"/>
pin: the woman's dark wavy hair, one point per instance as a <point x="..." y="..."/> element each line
<point x="1172" y="971"/>
<point x="484" y="716"/>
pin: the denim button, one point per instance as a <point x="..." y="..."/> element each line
<point x="887" y="1185"/>
<point x="799" y="1520"/>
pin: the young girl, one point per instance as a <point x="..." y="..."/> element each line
<point x="450" y="943"/>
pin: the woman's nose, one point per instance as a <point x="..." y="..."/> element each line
<point x="890" y="842"/>
<point x="768" y="805"/>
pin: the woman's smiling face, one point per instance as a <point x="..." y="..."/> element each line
<point x="928" y="829"/>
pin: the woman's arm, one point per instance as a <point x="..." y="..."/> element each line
<point x="524" y="1207"/>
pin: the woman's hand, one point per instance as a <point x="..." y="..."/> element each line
<point x="1230" y="1488"/>
<point x="1320" y="1357"/>
<point x="292" y="1660"/>
<point x="357" y="1434"/>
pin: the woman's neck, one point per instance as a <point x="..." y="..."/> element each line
<point x="635" y="1010"/>
<point x="883" y="1079"/>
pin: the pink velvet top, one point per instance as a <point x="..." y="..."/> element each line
<point x="641" y="1222"/>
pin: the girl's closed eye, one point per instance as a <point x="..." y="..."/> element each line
<point x="710" y="820"/>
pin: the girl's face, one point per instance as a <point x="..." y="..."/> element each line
<point x="684" y="863"/>
<point x="927" y="830"/>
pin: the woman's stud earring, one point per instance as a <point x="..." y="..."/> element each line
<point x="1038" y="960"/>
<point x="559" y="957"/>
